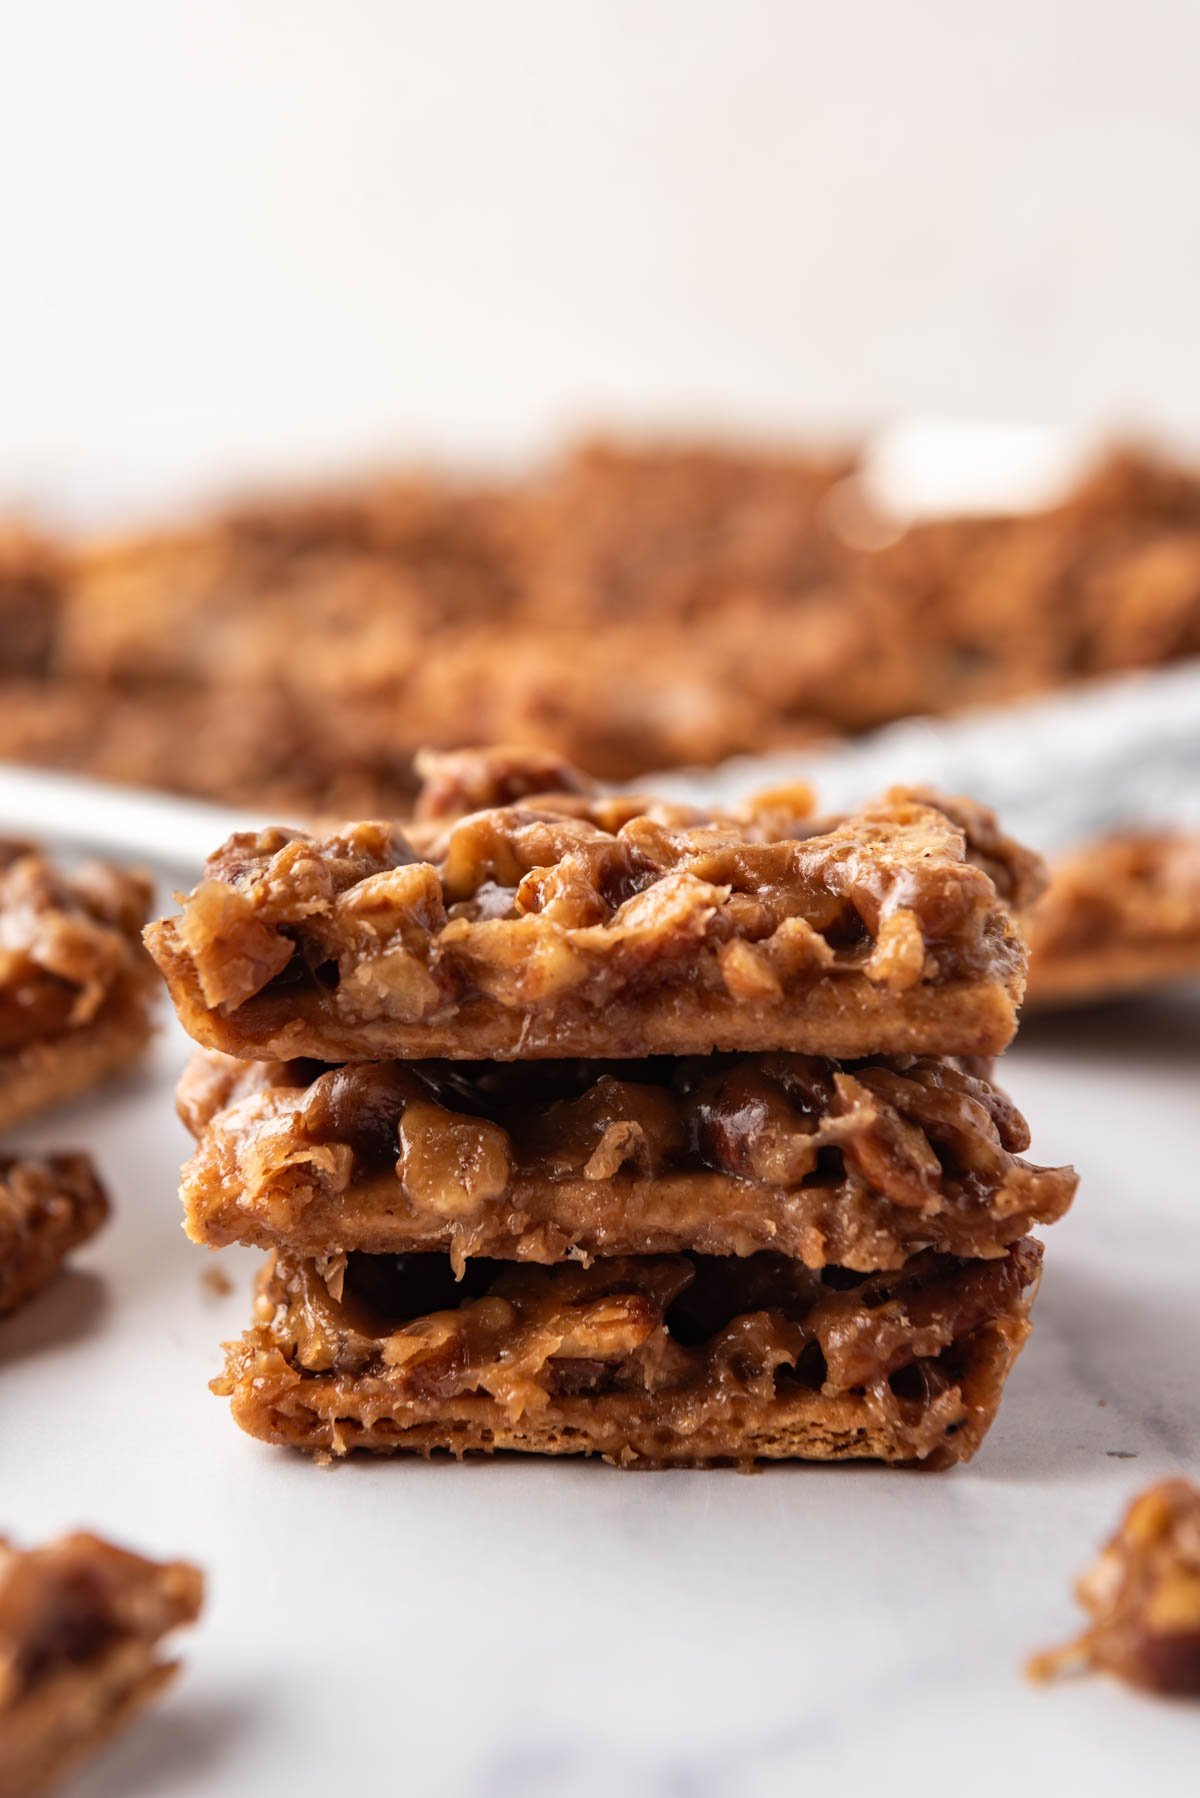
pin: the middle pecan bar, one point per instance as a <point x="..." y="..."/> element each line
<point x="862" y="1163"/>
<point x="520" y="933"/>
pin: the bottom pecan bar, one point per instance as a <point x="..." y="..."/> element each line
<point x="80" y="1627"/>
<point x="1120" y="914"/>
<point x="48" y="1206"/>
<point x="651" y="1360"/>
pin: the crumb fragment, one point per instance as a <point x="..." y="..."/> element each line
<point x="81" y="1629"/>
<point x="1143" y="1598"/>
<point x="49" y="1205"/>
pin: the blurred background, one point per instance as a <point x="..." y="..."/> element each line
<point x="261" y="240"/>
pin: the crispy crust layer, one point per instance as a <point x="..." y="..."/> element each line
<point x="48" y="1206"/>
<point x="81" y="1622"/>
<point x="655" y="1361"/>
<point x="524" y="934"/>
<point x="860" y="1166"/>
<point x="75" y="983"/>
<point x="1119" y="915"/>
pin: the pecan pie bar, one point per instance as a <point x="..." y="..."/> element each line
<point x="863" y="1164"/>
<point x="633" y="605"/>
<point x="654" y="1360"/>
<point x="81" y="1624"/>
<point x="48" y="1206"/>
<point x="75" y="984"/>
<point x="1143" y="1597"/>
<point x="1119" y="915"/>
<point x="521" y="933"/>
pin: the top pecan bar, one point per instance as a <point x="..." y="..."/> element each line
<point x="522" y="933"/>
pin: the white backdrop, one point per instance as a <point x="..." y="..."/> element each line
<point x="245" y="235"/>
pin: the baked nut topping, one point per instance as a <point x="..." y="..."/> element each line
<point x="1143" y="1598"/>
<point x="680" y="1359"/>
<point x="81" y="1626"/>
<point x="863" y="1164"/>
<point x="524" y="933"/>
<point x="48" y="1206"/>
<point x="75" y="983"/>
<point x="1119" y="914"/>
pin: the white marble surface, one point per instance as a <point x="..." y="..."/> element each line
<point x="527" y="1630"/>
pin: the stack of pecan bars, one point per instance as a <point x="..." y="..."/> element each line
<point x="584" y="1124"/>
